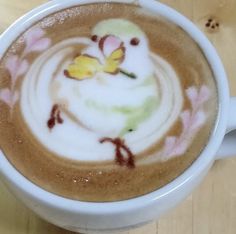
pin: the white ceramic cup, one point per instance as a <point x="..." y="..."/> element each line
<point x="105" y="217"/>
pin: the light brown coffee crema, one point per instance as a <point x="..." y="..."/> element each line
<point x="108" y="181"/>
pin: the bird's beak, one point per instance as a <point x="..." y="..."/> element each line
<point x="110" y="44"/>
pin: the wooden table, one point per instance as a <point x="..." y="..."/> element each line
<point x="212" y="207"/>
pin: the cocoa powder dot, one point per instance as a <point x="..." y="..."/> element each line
<point x="134" y="41"/>
<point x="94" y="38"/>
<point x="51" y="123"/>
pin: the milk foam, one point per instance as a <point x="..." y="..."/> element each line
<point x="106" y="105"/>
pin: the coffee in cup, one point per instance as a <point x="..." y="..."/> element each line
<point x="105" y="102"/>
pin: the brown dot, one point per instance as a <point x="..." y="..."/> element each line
<point x="94" y="38"/>
<point x="208" y="24"/>
<point x="59" y="118"/>
<point x="213" y="26"/>
<point x="134" y="41"/>
<point x="54" y="110"/>
<point x="210" y="20"/>
<point x="66" y="73"/>
<point x="217" y="24"/>
<point x="51" y="123"/>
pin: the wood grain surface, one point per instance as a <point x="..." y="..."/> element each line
<point x="211" y="209"/>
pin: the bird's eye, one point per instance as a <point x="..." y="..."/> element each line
<point x="94" y="38"/>
<point x="134" y="41"/>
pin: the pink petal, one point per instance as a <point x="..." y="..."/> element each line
<point x="186" y="119"/>
<point x="204" y="94"/>
<point x="192" y="95"/>
<point x="40" y="45"/>
<point x="6" y="96"/>
<point x="181" y="148"/>
<point x="198" y="120"/>
<point x="24" y="65"/>
<point x="169" y="145"/>
<point x="110" y="44"/>
<point x="12" y="65"/>
<point x="15" y="98"/>
<point x="33" y="35"/>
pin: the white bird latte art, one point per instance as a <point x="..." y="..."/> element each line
<point x="105" y="102"/>
<point x="111" y="101"/>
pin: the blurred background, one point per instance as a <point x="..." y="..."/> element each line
<point x="211" y="209"/>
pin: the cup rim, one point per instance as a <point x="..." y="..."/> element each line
<point x="192" y="172"/>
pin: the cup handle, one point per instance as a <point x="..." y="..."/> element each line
<point x="228" y="147"/>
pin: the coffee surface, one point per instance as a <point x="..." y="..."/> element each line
<point x="105" y="102"/>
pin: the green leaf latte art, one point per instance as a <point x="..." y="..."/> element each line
<point x="134" y="115"/>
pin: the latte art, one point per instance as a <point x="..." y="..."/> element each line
<point x="97" y="104"/>
<point x="124" y="100"/>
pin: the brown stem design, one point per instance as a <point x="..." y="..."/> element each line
<point x="120" y="157"/>
<point x="128" y="74"/>
<point x="55" y="117"/>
